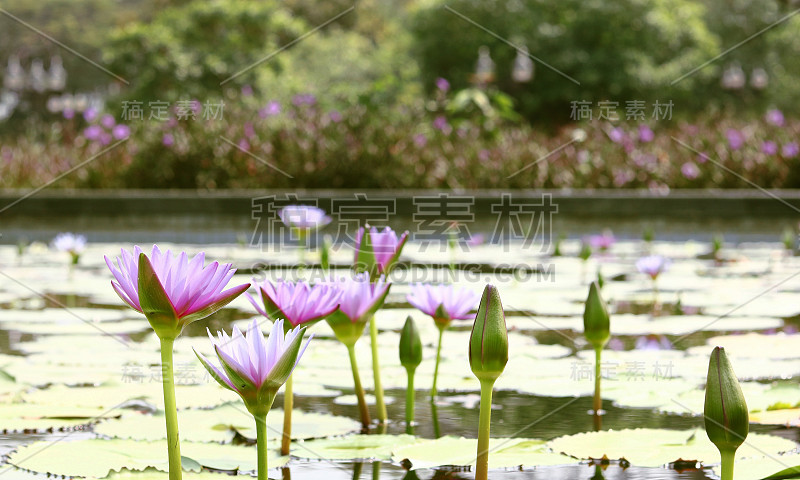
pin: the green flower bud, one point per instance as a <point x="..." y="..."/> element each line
<point x="488" y="343"/>
<point x="325" y="253"/>
<point x="726" y="418"/>
<point x="410" y="345"/>
<point x="586" y="251"/>
<point x="595" y="318"/>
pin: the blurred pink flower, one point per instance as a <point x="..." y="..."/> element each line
<point x="690" y="170"/>
<point x="735" y="138"/>
<point x="645" y="134"/>
<point x="775" y="117"/>
<point x="107" y="121"/>
<point x="617" y="135"/>
<point x="247" y="90"/>
<point x="790" y="150"/>
<point x="168" y="140"/>
<point x="442" y="84"/>
<point x="335" y="116"/>
<point x="769" y="147"/>
<point x="443" y="302"/>
<point x="440" y="123"/>
<point x="121" y="131"/>
<point x="273" y="108"/>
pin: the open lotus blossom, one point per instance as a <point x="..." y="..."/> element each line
<point x="182" y="291"/>
<point x="603" y="241"/>
<point x="69" y="242"/>
<point x="381" y="249"/>
<point x="443" y="302"/>
<point x="250" y="363"/>
<point x="296" y="302"/>
<point x="256" y="369"/>
<point x="360" y="299"/>
<point x="653" y="265"/>
<point x="304" y="217"/>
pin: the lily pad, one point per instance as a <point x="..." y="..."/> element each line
<point x="27" y="417"/>
<point x="220" y="424"/>
<point x="775" y="467"/>
<point x="98" y="458"/>
<point x="647" y="447"/>
<point x="353" y="447"/>
<point x="454" y="451"/>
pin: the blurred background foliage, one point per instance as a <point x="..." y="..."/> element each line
<point x="366" y="90"/>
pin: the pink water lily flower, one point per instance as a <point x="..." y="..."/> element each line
<point x="382" y="249"/>
<point x="172" y="290"/>
<point x="443" y="302"/>
<point x="296" y="302"/>
<point x="304" y="217"/>
<point x="653" y="265"/>
<point x="254" y="359"/>
<point x="360" y="297"/>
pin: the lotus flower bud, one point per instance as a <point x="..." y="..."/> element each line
<point x="585" y="252"/>
<point x="595" y="318"/>
<point x="410" y="345"/>
<point x="726" y="418"/>
<point x="488" y="343"/>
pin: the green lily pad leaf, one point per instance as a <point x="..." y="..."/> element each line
<point x="98" y="458"/>
<point x="153" y="474"/>
<point x="61" y="315"/>
<point x="27" y="417"/>
<point x="353" y="400"/>
<point x="77" y="327"/>
<point x="454" y="451"/>
<point x="220" y="424"/>
<point x="788" y="417"/>
<point x="757" y="345"/>
<point x="353" y="447"/>
<point x="647" y="447"/>
<point x="149" y="391"/>
<point x="784" y="466"/>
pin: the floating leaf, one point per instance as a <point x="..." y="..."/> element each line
<point x="219" y="425"/>
<point x="97" y="458"/>
<point x="353" y="447"/>
<point x="454" y="451"/>
<point x="647" y="447"/>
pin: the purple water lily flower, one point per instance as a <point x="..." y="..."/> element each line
<point x="653" y="265"/>
<point x="297" y="302"/>
<point x="385" y="244"/>
<point x="602" y="241"/>
<point x="775" y="117"/>
<point x="443" y="303"/>
<point x="256" y="362"/>
<point x="69" y="242"/>
<point x="194" y="291"/>
<point x="359" y="298"/>
<point x="303" y="217"/>
<point x="735" y="138"/>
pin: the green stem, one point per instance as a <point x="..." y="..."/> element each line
<point x="170" y="409"/>
<point x="376" y="470"/>
<point x="261" y="445"/>
<point x="728" y="458"/>
<point x="288" y="405"/>
<point x="437" y="431"/>
<point x="434" y="391"/>
<point x="380" y="405"/>
<point x="597" y="405"/>
<point x="484" y="422"/>
<point x="362" y="402"/>
<point x="410" y="402"/>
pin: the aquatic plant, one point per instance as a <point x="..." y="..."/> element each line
<point x="410" y="358"/>
<point x="726" y="418"/>
<point x="256" y="369"/>
<point x="70" y="243"/>
<point x="298" y="303"/>
<point x="596" y="329"/>
<point x="488" y="355"/>
<point x="376" y="253"/>
<point x="359" y="300"/>
<point x="171" y="292"/>
<point x="444" y="303"/>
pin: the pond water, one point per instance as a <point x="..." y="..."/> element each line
<point x="69" y="352"/>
